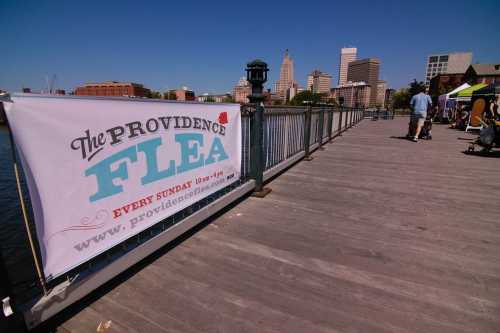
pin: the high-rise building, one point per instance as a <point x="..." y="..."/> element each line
<point x="454" y="63"/>
<point x="242" y="90"/>
<point x="354" y="94"/>
<point x="365" y="70"/>
<point x="286" y="80"/>
<point x="347" y="54"/>
<point x="319" y="82"/>
<point x="381" y="88"/>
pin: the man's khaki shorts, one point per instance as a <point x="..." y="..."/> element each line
<point x="418" y="119"/>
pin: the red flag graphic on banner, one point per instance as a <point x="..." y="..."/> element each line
<point x="223" y="118"/>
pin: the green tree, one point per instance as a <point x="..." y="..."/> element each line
<point x="228" y="99"/>
<point x="416" y="87"/>
<point x="306" y="96"/>
<point x="154" y="94"/>
<point x="170" y="95"/>
<point x="210" y="99"/>
<point x="401" y="99"/>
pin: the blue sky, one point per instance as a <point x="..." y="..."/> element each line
<point x="205" y="45"/>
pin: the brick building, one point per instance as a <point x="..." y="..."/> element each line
<point x="113" y="88"/>
<point x="354" y="94"/>
<point x="319" y="82"/>
<point x="443" y="83"/>
<point x="242" y="90"/>
<point x="182" y="94"/>
<point x="482" y="73"/>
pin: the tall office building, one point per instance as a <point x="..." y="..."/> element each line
<point x="286" y="80"/>
<point x="366" y="70"/>
<point x="381" y="88"/>
<point x="451" y="63"/>
<point x="319" y="82"/>
<point x="347" y="54"/>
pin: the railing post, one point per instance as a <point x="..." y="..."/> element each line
<point x="321" y="126"/>
<point x="345" y="125"/>
<point x="340" y="121"/>
<point x="307" y="132"/>
<point x="257" y="75"/>
<point x="351" y="118"/>
<point x="330" y="123"/>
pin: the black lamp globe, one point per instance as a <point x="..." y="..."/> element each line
<point x="257" y="72"/>
<point x="257" y="75"/>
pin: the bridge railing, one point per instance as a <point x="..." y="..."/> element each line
<point x="290" y="133"/>
<point x="379" y="114"/>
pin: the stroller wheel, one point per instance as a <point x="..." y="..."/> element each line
<point x="429" y="137"/>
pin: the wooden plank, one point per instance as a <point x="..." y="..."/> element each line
<point x="376" y="234"/>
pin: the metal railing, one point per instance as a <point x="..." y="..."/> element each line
<point x="379" y="114"/>
<point x="289" y="134"/>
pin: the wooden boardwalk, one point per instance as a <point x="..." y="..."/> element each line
<point x="376" y="234"/>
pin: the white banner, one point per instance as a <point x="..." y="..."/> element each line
<point x="101" y="171"/>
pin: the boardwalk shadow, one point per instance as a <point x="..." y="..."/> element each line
<point x="494" y="154"/>
<point x="400" y="137"/>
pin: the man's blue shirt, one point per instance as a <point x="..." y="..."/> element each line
<point x="419" y="102"/>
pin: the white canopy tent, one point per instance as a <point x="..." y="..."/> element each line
<point x="443" y="100"/>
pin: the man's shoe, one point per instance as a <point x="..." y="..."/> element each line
<point x="414" y="139"/>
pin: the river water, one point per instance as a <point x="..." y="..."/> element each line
<point x="14" y="244"/>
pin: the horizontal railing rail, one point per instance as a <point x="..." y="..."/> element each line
<point x="379" y="114"/>
<point x="289" y="135"/>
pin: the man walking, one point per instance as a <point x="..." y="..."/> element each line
<point x="418" y="104"/>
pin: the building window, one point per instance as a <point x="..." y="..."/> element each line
<point x="433" y="59"/>
<point x="443" y="58"/>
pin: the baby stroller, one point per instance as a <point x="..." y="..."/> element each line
<point x="489" y="137"/>
<point x="425" y="133"/>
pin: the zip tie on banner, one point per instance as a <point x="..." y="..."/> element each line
<point x="5" y="97"/>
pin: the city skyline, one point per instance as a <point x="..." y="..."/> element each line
<point x="165" y="47"/>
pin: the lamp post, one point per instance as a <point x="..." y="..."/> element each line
<point x="257" y="76"/>
<point x="340" y="100"/>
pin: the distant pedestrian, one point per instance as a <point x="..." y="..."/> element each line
<point x="418" y="104"/>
